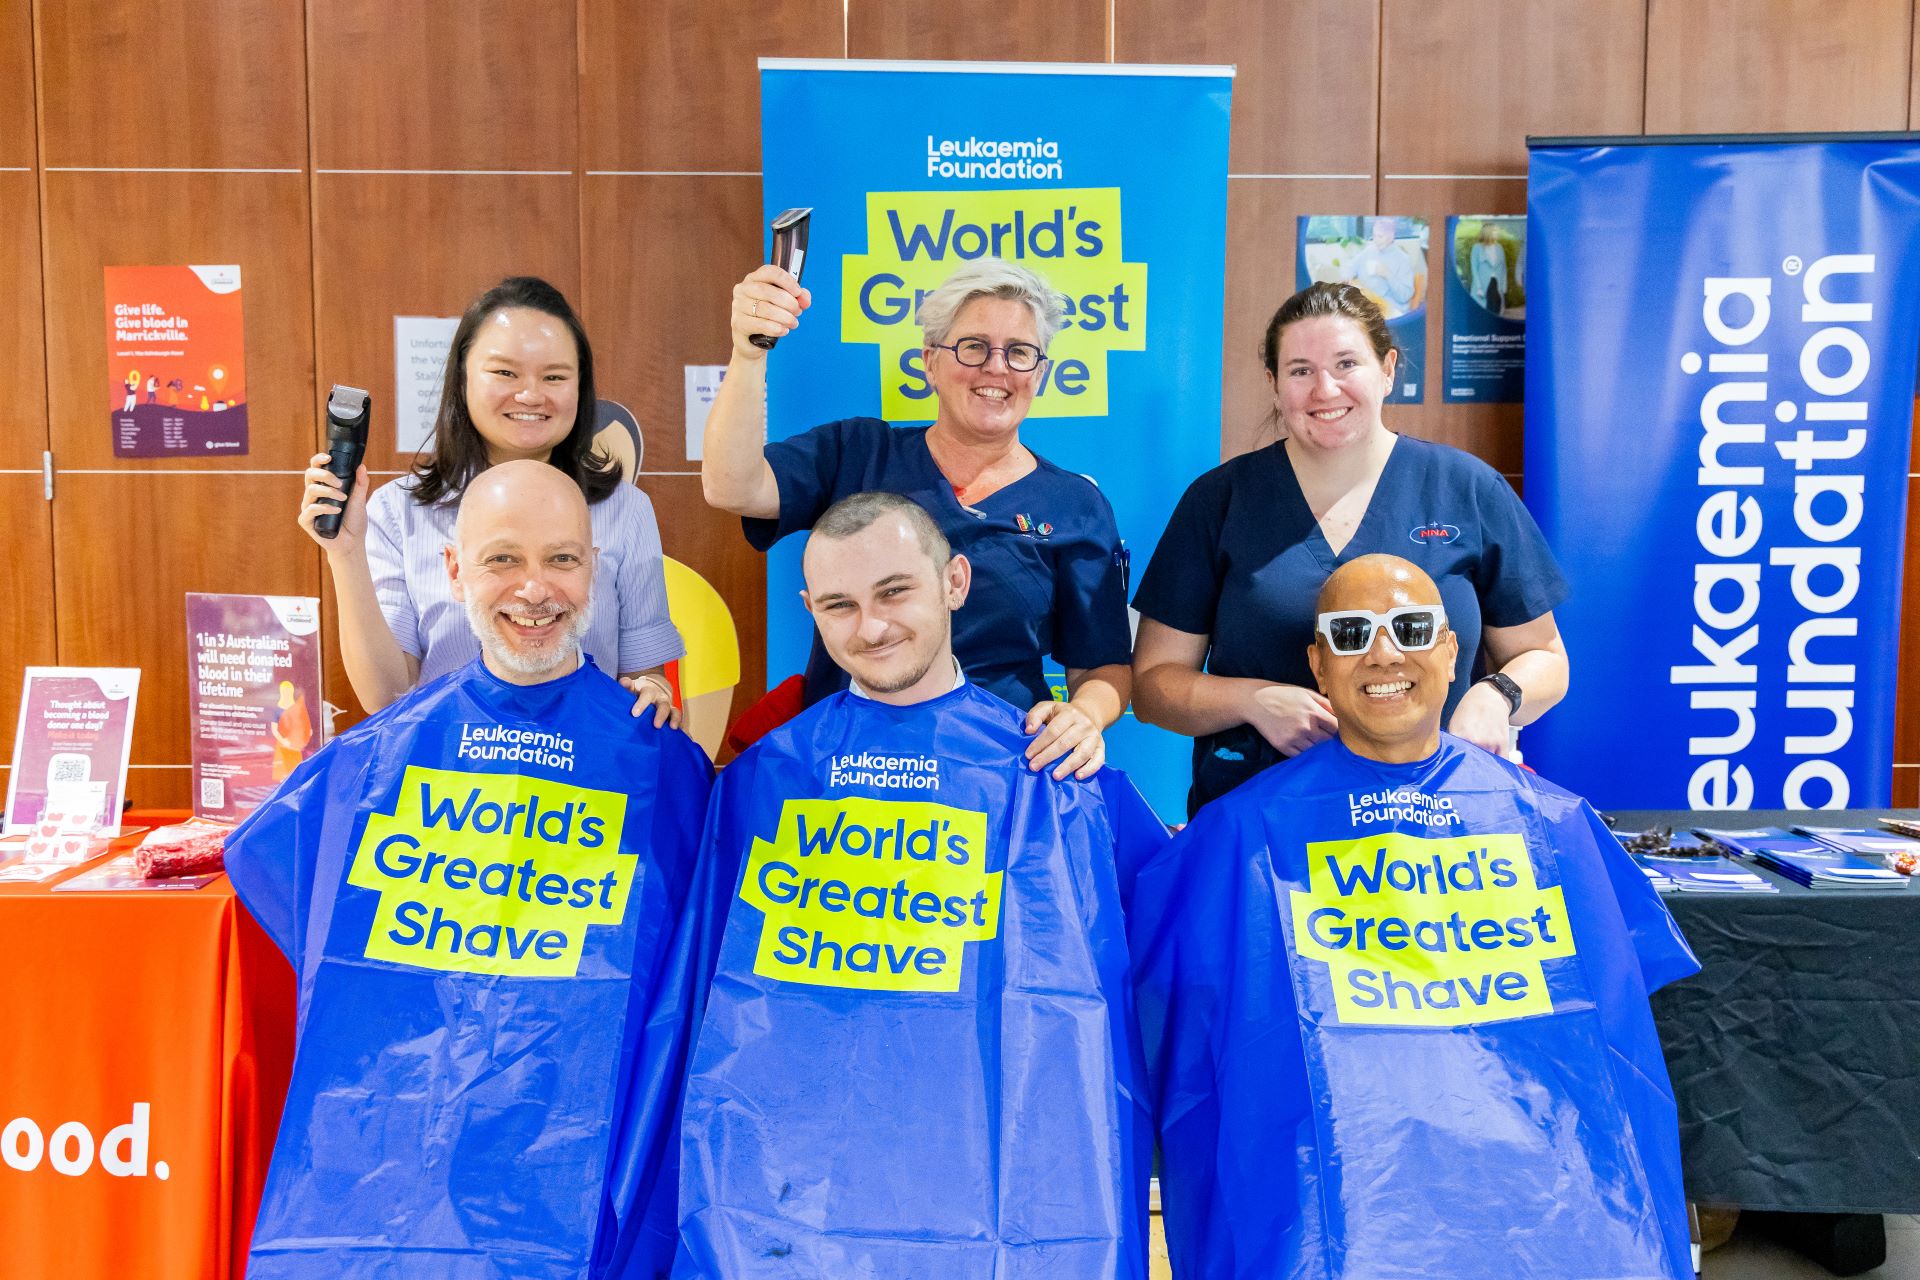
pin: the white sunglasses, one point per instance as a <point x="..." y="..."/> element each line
<point x="1414" y="628"/>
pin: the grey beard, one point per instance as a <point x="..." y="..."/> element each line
<point x="481" y="620"/>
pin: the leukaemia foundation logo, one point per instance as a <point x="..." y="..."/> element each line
<point x="1419" y="931"/>
<point x="1070" y="235"/>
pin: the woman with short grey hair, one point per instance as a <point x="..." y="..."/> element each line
<point x="992" y="278"/>
<point x="1048" y="571"/>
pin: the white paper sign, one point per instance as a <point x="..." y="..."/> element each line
<point x="71" y="748"/>
<point x="420" y="346"/>
<point x="703" y="380"/>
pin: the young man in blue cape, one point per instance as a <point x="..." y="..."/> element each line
<point x="478" y="888"/>
<point x="919" y="1055"/>
<point x="1394" y="994"/>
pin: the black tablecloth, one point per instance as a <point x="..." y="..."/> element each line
<point x="1795" y="1051"/>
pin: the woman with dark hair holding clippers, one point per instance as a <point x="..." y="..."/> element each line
<point x="519" y="384"/>
<point x="1226" y="605"/>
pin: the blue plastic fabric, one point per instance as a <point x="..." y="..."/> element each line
<point x="500" y="1104"/>
<point x="931" y="1067"/>
<point x="1497" y="1106"/>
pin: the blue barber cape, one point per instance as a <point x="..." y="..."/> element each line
<point x="919" y="1056"/>
<point x="1397" y="1021"/>
<point x="478" y="889"/>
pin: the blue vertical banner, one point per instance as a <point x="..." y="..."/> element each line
<point x="1111" y="181"/>
<point x="1719" y="414"/>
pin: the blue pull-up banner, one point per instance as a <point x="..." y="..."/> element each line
<point x="1720" y="402"/>
<point x="1110" y="181"/>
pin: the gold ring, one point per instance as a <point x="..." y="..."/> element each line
<point x="753" y="309"/>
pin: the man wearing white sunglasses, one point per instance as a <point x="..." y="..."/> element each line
<point x="1394" y="994"/>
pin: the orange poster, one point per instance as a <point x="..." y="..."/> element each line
<point x="176" y="363"/>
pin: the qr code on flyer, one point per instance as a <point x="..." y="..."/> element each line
<point x="213" y="793"/>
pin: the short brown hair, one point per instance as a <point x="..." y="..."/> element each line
<point x="854" y="514"/>
<point x="1326" y="299"/>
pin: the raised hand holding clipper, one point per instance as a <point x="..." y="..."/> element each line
<point x="768" y="303"/>
<point x="331" y="476"/>
<point x="348" y="409"/>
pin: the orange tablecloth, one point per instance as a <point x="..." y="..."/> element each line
<point x="174" y="1002"/>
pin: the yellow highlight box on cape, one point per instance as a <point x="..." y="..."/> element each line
<point x="1430" y="932"/>
<point x="493" y="872"/>
<point x="877" y="895"/>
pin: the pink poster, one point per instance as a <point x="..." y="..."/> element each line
<point x="70" y="748"/>
<point x="253" y="667"/>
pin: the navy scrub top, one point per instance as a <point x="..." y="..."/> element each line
<point x="1048" y="571"/>
<point x="1243" y="560"/>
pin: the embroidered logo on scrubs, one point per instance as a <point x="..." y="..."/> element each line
<point x="1028" y="526"/>
<point x="1423" y="932"/>
<point x="878" y="895"/>
<point x="1434" y="532"/>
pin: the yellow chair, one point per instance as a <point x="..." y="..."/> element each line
<point x="706" y="676"/>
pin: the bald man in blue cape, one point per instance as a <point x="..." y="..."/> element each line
<point x="919" y="1056"/>
<point x="478" y="888"/>
<point x="1394" y="995"/>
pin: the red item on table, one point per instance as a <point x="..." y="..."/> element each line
<point x="190" y="848"/>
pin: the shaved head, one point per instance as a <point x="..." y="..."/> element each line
<point x="1388" y="700"/>
<point x="1376" y="582"/>
<point x="525" y="488"/>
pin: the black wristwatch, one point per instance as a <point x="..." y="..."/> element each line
<point x="1508" y="690"/>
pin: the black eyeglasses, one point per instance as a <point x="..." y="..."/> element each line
<point x="1022" y="357"/>
<point x="1414" y="627"/>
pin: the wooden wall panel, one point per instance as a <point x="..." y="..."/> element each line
<point x="1740" y="66"/>
<point x="656" y="310"/>
<point x="1913" y="81"/>
<point x="129" y="547"/>
<point x="1467" y="80"/>
<point x="1263" y="218"/>
<point x="172" y="83"/>
<point x="423" y="245"/>
<point x="18" y="144"/>
<point x="1906" y="719"/>
<point x="23" y="354"/>
<point x="983" y="30"/>
<point x="484" y="84"/>
<point x="1284" y="121"/>
<point x="26" y="634"/>
<point x="259" y="220"/>
<point x="1491" y="432"/>
<point x="680" y="91"/>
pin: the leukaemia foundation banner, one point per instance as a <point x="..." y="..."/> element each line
<point x="1108" y="180"/>
<point x="1719" y="414"/>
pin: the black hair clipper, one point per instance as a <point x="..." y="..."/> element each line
<point x="348" y="409"/>
<point x="789" y="253"/>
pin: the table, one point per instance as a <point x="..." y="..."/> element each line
<point x="145" y="1046"/>
<point x="1795" y="1051"/>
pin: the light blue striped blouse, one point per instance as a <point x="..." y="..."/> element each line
<point x="630" y="631"/>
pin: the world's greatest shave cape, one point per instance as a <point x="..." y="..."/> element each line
<point x="478" y="888"/>
<point x="1397" y="1018"/>
<point x="919" y="1055"/>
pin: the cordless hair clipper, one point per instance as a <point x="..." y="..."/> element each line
<point x="789" y="253"/>
<point x="348" y="409"/>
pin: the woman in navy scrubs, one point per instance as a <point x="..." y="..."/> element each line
<point x="1048" y="574"/>
<point x="1226" y="605"/>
